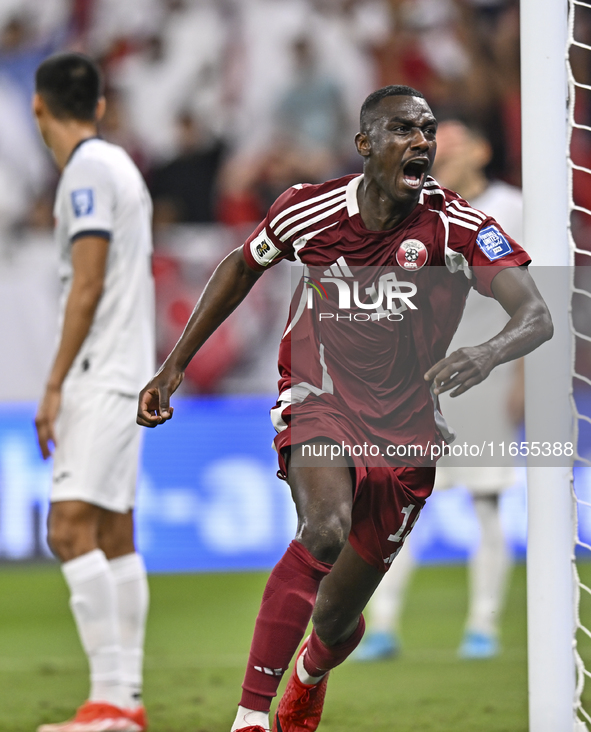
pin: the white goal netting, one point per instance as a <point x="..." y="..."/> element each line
<point x="579" y="161"/>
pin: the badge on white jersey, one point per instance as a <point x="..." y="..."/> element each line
<point x="263" y="250"/>
<point x="83" y="202"/>
<point x="412" y="254"/>
<point x="493" y="243"/>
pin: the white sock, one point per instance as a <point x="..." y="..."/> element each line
<point x="249" y="718"/>
<point x="94" y="605"/>
<point x="303" y="675"/>
<point x="489" y="569"/>
<point x="131" y="581"/>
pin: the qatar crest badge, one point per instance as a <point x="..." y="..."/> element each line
<point x="412" y="254"/>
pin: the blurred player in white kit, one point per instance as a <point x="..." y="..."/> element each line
<point x="86" y="417"/>
<point x="493" y="407"/>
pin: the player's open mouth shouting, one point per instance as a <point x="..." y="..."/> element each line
<point x="415" y="172"/>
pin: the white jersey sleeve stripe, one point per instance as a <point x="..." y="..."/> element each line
<point x="468" y="209"/>
<point x="460" y="222"/>
<point x="307" y="202"/>
<point x="306" y="223"/>
<point x="307" y="212"/>
<point x="468" y="217"/>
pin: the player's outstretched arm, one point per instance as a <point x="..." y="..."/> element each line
<point x="530" y="325"/>
<point x="227" y="288"/>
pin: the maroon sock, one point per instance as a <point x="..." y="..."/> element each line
<point x="320" y="658"/>
<point x="285" y="612"/>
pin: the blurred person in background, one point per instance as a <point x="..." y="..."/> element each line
<point x="24" y="168"/>
<point x="114" y="127"/>
<point x="260" y="64"/>
<point x="180" y="65"/>
<point x="306" y="140"/>
<point x="184" y="188"/>
<point x="346" y="35"/>
<point x="463" y="154"/>
<point x="29" y="33"/>
<point x="310" y="112"/>
<point x="466" y="57"/>
<point x="86" y="417"/>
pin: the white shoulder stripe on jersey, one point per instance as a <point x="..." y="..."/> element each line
<point x="469" y="217"/>
<point x="307" y="212"/>
<point x="433" y="192"/>
<point x="468" y="209"/>
<point x="307" y="202"/>
<point x="461" y="222"/>
<point x="305" y="224"/>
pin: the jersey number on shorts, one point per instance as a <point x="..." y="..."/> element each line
<point x="401" y="534"/>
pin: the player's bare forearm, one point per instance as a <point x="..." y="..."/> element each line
<point x="88" y="259"/>
<point x="78" y="317"/>
<point x="227" y="288"/>
<point x="529" y="326"/>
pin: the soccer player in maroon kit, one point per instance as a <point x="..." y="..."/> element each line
<point x="353" y="515"/>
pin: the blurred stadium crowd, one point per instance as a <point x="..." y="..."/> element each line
<point x="225" y="103"/>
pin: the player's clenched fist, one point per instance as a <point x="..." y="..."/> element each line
<point x="154" y="399"/>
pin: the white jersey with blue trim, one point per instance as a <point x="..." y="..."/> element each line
<point x="102" y="193"/>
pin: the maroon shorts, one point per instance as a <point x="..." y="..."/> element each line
<point x="386" y="500"/>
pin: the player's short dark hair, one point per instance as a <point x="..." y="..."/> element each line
<point x="394" y="90"/>
<point x="71" y="85"/>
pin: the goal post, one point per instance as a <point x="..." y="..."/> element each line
<point x="550" y="586"/>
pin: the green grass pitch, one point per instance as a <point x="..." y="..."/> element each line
<point x="197" y="644"/>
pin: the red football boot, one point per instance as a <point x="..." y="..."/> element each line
<point x="301" y="705"/>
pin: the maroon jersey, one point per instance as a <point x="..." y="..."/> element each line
<point x="373" y="310"/>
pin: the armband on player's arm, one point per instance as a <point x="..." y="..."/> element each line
<point x="261" y="252"/>
<point x="271" y="241"/>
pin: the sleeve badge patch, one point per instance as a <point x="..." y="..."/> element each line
<point x="263" y="250"/>
<point x="493" y="243"/>
<point x="83" y="202"/>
